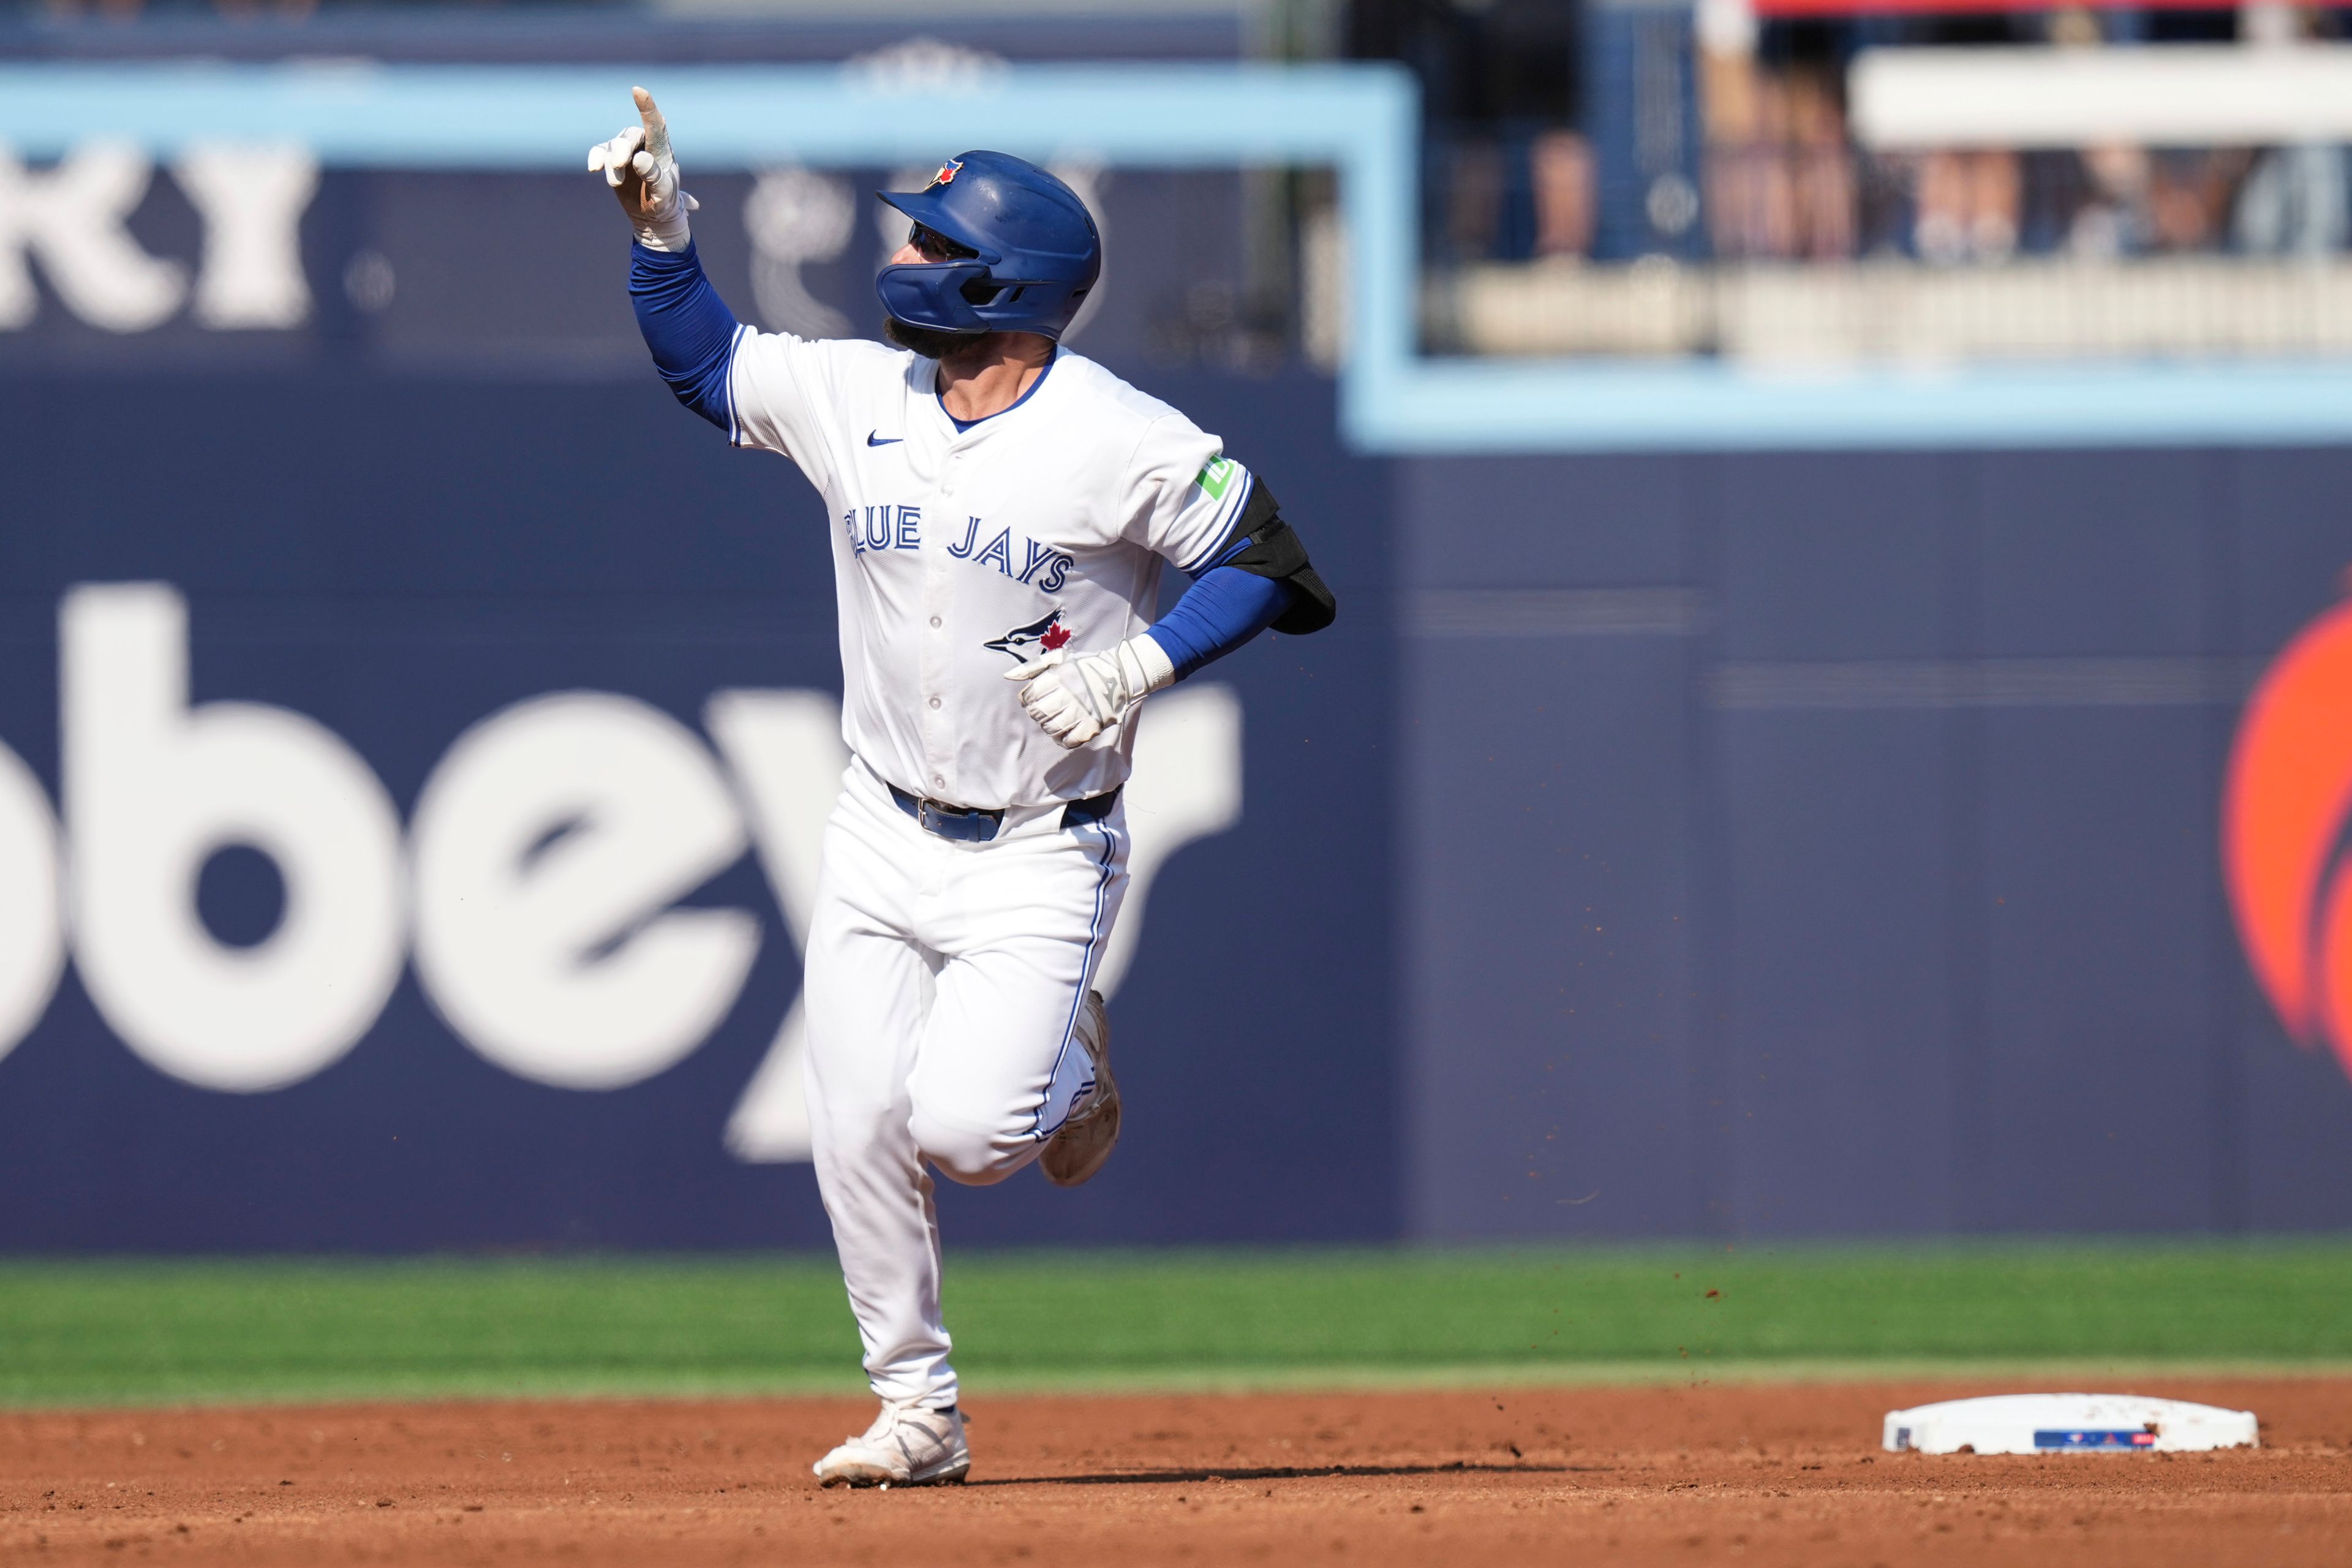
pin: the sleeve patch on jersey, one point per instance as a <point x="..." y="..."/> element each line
<point x="1218" y="477"/>
<point x="1240" y="497"/>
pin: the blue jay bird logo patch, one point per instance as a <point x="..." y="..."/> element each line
<point x="1041" y="635"/>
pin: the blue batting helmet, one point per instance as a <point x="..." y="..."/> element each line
<point x="1035" y="252"/>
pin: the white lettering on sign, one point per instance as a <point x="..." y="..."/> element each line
<point x="549" y="846"/>
<point x="74" y="219"/>
<point x="252" y="199"/>
<point x="152" y="788"/>
<point x="549" y="850"/>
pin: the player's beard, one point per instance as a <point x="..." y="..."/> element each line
<point x="928" y="341"/>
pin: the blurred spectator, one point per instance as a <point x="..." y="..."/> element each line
<point x="1823" y="179"/>
<point x="1968" y="206"/>
<point x="2294" y="204"/>
<point x="2114" y="220"/>
<point x="2189" y="197"/>
<point x="2295" y="200"/>
<point x="2138" y="201"/>
<point x="1559" y="168"/>
<point x="1780" y="173"/>
<point x="1983" y="205"/>
<point x="1748" y="211"/>
<point x="1508" y="176"/>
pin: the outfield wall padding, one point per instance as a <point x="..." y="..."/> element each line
<point x="1725" y="845"/>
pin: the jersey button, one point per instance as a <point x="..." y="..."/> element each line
<point x="938" y="781"/>
<point x="935" y="702"/>
<point x="936" y="622"/>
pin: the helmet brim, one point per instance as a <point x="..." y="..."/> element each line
<point x="928" y="209"/>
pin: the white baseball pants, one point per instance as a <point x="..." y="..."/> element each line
<point x="943" y="981"/>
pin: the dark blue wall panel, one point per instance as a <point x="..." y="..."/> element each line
<point x="2094" y="553"/>
<point x="1841" y="1017"/>
<point x="1554" y="1084"/>
<point x="1927" y="826"/>
<point x="1837" y="559"/>
<point x="1512" y="523"/>
<point x="2099" y="870"/>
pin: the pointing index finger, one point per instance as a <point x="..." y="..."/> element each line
<point x="657" y="127"/>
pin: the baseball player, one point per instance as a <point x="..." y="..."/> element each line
<point x="1001" y="509"/>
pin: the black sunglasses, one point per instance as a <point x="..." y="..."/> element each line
<point x="937" y="247"/>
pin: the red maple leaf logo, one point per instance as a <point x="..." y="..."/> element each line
<point x="1055" y="636"/>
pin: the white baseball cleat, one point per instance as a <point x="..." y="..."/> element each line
<point x="1078" y="1149"/>
<point x="908" y="1446"/>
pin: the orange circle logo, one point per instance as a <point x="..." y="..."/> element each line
<point x="2285" y="815"/>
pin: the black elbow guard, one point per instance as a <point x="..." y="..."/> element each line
<point x="1270" y="549"/>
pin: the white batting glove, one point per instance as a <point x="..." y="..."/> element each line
<point x="1073" y="699"/>
<point x="642" y="172"/>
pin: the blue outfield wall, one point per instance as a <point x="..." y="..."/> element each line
<point x="1742" y="845"/>
<point x="1813" y="844"/>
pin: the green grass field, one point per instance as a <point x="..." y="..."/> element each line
<point x="129" y="1331"/>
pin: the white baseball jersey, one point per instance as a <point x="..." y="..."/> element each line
<point x="959" y="554"/>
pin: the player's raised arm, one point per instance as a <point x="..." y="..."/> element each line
<point x="688" y="326"/>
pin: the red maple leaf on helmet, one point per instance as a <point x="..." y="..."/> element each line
<point x="1056" y="636"/>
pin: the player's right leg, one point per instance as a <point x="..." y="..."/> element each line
<point x="868" y="987"/>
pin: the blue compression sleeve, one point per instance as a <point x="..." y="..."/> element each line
<point x="689" y="327"/>
<point x="1225" y="608"/>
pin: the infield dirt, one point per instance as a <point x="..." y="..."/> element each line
<point x="1751" y="1473"/>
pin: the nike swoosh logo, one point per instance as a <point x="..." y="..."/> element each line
<point x="876" y="439"/>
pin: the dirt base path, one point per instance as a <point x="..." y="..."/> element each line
<point x="1684" y="1475"/>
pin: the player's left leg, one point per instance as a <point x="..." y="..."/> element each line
<point x="1020" y="925"/>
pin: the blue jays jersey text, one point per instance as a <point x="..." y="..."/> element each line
<point x="874" y="528"/>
